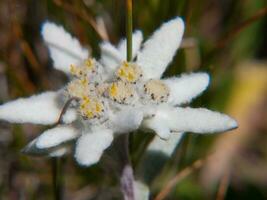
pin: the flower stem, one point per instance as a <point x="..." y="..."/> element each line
<point x="57" y="178"/>
<point x="127" y="177"/>
<point x="129" y="28"/>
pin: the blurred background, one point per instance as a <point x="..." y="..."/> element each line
<point x="227" y="38"/>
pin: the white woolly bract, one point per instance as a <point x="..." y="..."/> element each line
<point x="137" y="39"/>
<point x="141" y="191"/>
<point x="64" y="49"/>
<point x="56" y="136"/>
<point x="198" y="120"/>
<point x="90" y="146"/>
<point x="183" y="89"/>
<point x="127" y="120"/>
<point x="159" y="50"/>
<point x="69" y="116"/>
<point x="38" y="109"/>
<point x="159" y="127"/>
<point x="165" y="146"/>
<point x="110" y="56"/>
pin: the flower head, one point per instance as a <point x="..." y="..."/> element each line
<point x="110" y="96"/>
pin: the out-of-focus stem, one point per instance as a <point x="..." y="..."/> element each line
<point x="179" y="176"/>
<point x="258" y="15"/>
<point x="127" y="177"/>
<point x="57" y="178"/>
<point x="83" y="15"/>
<point x="223" y="186"/>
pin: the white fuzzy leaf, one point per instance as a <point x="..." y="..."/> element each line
<point x="198" y="120"/>
<point x="64" y="49"/>
<point x="183" y="89"/>
<point x="159" y="50"/>
<point x="44" y="108"/>
<point x="90" y="146"/>
<point x="165" y="146"/>
<point x="56" y="136"/>
<point x="137" y="39"/>
<point x="126" y="120"/>
<point x="110" y="56"/>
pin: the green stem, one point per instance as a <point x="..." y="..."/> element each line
<point x="57" y="178"/>
<point x="127" y="177"/>
<point x="129" y="28"/>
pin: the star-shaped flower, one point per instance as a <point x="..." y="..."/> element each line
<point x="111" y="96"/>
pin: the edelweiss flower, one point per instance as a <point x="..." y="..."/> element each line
<point x="112" y="96"/>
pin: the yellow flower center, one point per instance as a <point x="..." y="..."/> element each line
<point x="156" y="90"/>
<point x="85" y="69"/>
<point x="121" y="92"/>
<point x="129" y="72"/>
<point x="78" y="88"/>
<point x="89" y="63"/>
<point x="91" y="107"/>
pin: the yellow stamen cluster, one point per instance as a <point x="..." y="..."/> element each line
<point x="89" y="64"/>
<point x="121" y="92"/>
<point x="76" y="71"/>
<point x="129" y="72"/>
<point x="89" y="92"/>
<point x="78" y="88"/>
<point x="91" y="108"/>
<point x="84" y="70"/>
<point x="86" y="91"/>
<point x="157" y="90"/>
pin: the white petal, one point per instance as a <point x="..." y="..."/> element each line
<point x="165" y="146"/>
<point x="64" y="49"/>
<point x="183" y="89"/>
<point x="193" y="120"/>
<point x="110" y="56"/>
<point x="126" y="120"/>
<point x="44" y="108"/>
<point x="137" y="39"/>
<point x="159" y="50"/>
<point x="55" y="136"/>
<point x="90" y="146"/>
<point x="141" y="191"/>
